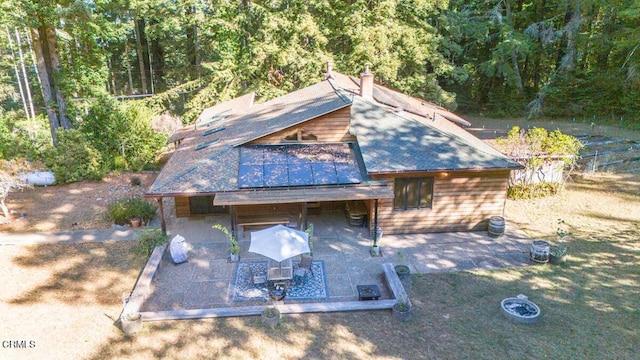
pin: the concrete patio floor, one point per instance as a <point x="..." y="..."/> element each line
<point x="205" y="281"/>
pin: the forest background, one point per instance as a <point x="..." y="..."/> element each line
<point x="101" y="69"/>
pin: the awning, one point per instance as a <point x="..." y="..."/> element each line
<point x="299" y="195"/>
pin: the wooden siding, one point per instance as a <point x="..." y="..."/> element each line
<point x="461" y="202"/>
<point x="332" y="127"/>
<point x="182" y="206"/>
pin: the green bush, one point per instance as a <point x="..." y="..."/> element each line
<point x="136" y="181"/>
<point x="533" y="191"/>
<point x="74" y="158"/>
<point x="122" y="133"/>
<point x="148" y="239"/>
<point x="123" y="210"/>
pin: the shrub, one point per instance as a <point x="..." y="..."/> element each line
<point x="148" y="239"/>
<point x="533" y="191"/>
<point x="74" y="158"/>
<point x="123" y="210"/>
<point x="136" y="181"/>
<point x="122" y="134"/>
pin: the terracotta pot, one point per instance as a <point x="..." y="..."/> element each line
<point x="136" y="222"/>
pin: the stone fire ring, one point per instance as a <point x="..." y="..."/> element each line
<point x="520" y="310"/>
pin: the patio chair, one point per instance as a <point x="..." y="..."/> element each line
<point x="303" y="270"/>
<point x="257" y="279"/>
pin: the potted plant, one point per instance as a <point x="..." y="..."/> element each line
<point x="136" y="222"/>
<point x="234" y="247"/>
<point x="309" y="231"/>
<point x="402" y="270"/>
<point x="558" y="254"/>
<point x="131" y="323"/>
<point x="270" y="317"/>
<point x="402" y="309"/>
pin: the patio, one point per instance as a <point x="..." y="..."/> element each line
<point x="208" y="279"/>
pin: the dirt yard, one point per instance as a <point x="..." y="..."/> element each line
<point x="76" y="206"/>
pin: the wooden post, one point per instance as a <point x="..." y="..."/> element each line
<point x="163" y="224"/>
<point x="232" y="213"/>
<point x="304" y="215"/>
<point x="375" y="221"/>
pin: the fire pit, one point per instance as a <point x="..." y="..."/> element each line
<point x="520" y="310"/>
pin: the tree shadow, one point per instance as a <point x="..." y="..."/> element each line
<point x="85" y="273"/>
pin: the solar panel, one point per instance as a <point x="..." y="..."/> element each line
<point x="297" y="165"/>
<point x="324" y="173"/>
<point x="275" y="175"/>
<point x="250" y="176"/>
<point x="251" y="156"/>
<point x="300" y="175"/>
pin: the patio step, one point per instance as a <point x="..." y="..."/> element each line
<point x="257" y="310"/>
<point x="394" y="282"/>
<point x="141" y="289"/>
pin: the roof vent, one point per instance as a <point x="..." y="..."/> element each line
<point x="213" y="131"/>
<point x="207" y="144"/>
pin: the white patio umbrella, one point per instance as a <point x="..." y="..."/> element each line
<point x="279" y="242"/>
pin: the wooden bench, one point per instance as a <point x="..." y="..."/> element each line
<point x="260" y="220"/>
<point x="394" y="282"/>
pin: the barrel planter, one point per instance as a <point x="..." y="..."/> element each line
<point x="496" y="226"/>
<point x="540" y="251"/>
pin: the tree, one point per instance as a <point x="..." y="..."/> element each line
<point x="9" y="180"/>
<point x="45" y="46"/>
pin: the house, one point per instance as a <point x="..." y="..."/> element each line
<point x="389" y="160"/>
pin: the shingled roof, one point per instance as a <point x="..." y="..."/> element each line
<point x="394" y="133"/>
<point x="392" y="142"/>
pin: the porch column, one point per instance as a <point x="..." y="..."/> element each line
<point x="375" y="220"/>
<point x="163" y="224"/>
<point x="232" y="212"/>
<point x="304" y="215"/>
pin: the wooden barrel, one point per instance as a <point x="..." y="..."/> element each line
<point x="540" y="251"/>
<point x="496" y="226"/>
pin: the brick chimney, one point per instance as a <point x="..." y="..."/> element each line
<point x="366" y="83"/>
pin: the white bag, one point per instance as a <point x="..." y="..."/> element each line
<point x="178" y="249"/>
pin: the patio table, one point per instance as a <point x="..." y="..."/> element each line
<point x="282" y="270"/>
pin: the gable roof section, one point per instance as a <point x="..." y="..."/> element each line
<point x="392" y="142"/>
<point x="195" y="168"/>
<point x="289" y="110"/>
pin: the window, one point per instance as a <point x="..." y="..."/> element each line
<point x="413" y="193"/>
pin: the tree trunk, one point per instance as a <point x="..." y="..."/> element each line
<point x="54" y="56"/>
<point x="26" y="77"/>
<point x="45" y="83"/>
<point x="126" y="61"/>
<point x="137" y="24"/>
<point x="15" y="69"/>
<point x="514" y="55"/>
